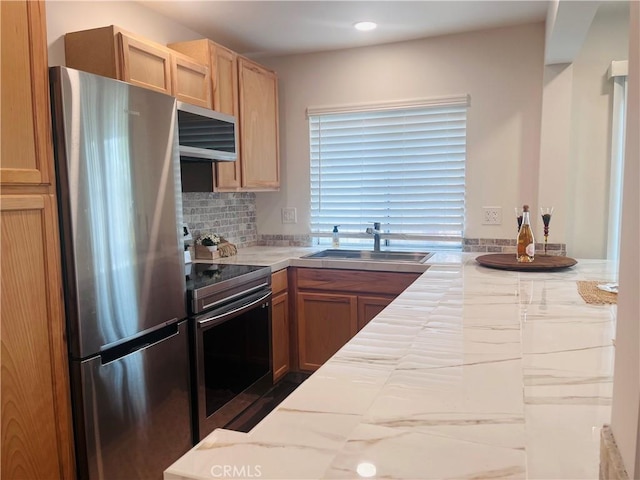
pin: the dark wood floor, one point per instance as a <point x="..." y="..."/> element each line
<point x="270" y="400"/>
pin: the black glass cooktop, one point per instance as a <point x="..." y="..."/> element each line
<point x="204" y="274"/>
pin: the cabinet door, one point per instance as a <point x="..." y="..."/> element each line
<point x="280" y="335"/>
<point x="144" y="64"/>
<point x="325" y="323"/>
<point x="225" y="99"/>
<point x="26" y="123"/>
<point x="369" y="307"/>
<point x="190" y="81"/>
<point x="258" y="127"/>
<point x="36" y="429"/>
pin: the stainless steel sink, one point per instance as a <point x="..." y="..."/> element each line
<point x="369" y="255"/>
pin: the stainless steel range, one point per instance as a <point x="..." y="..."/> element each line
<point x="230" y="308"/>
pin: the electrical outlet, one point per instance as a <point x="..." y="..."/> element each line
<point x="289" y="215"/>
<point x="492" y="216"/>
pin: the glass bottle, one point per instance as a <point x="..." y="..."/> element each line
<point x="526" y="243"/>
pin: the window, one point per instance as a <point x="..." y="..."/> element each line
<point x="402" y="166"/>
<point x="618" y="72"/>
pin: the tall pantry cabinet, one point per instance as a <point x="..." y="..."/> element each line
<point x="36" y="434"/>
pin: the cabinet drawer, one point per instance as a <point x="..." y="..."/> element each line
<point x="357" y="281"/>
<point x="279" y="282"/>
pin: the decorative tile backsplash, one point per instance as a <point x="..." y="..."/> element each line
<point x="507" y="245"/>
<point x="270" y="240"/>
<point x="477" y="245"/>
<point x="232" y="215"/>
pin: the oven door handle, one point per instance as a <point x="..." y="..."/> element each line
<point x="223" y="317"/>
<point x="231" y="297"/>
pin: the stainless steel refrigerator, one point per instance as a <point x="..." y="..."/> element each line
<point x="118" y="180"/>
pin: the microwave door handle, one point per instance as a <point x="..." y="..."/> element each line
<point x="223" y="317"/>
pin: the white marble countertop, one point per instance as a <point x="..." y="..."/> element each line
<point x="469" y="373"/>
<point x="282" y="257"/>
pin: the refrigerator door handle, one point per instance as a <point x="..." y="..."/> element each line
<point x="138" y="344"/>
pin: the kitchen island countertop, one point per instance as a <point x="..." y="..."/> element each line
<point x="469" y="373"/>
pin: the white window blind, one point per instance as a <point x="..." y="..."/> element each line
<point x="403" y="167"/>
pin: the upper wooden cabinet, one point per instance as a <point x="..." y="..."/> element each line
<point x="223" y="64"/>
<point x="36" y="420"/>
<point x="113" y="52"/>
<point x="140" y="62"/>
<point x="249" y="92"/>
<point x="190" y="81"/>
<point x="258" y="126"/>
<point x="26" y="120"/>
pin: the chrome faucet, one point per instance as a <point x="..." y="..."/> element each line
<point x="375" y="231"/>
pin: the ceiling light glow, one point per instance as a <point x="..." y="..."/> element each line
<point x="365" y="26"/>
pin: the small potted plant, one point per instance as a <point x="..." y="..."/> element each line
<point x="210" y="240"/>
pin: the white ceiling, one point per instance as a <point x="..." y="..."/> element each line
<point x="261" y="28"/>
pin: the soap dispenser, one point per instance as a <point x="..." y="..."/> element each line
<point x="336" y="237"/>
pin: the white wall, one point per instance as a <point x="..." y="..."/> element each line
<point x="625" y="414"/>
<point x="502" y="71"/>
<point x="509" y="163"/>
<point x="563" y="161"/>
<point x="71" y="16"/>
<point x="575" y="142"/>
<point x="590" y="136"/>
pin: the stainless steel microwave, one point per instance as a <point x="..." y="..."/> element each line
<point x="206" y="135"/>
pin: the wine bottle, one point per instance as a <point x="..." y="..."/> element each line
<point x="526" y="243"/>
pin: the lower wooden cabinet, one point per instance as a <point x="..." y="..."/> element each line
<point x="332" y="305"/>
<point x="280" y="326"/>
<point x="325" y="323"/>
<point x="280" y="335"/>
<point x="35" y="406"/>
<point x="369" y="307"/>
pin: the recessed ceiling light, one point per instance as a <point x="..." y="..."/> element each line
<point x="365" y="26"/>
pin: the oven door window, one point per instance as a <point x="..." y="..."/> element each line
<point x="236" y="355"/>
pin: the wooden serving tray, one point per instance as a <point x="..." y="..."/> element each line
<point x="541" y="263"/>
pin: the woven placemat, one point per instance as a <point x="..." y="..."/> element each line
<point x="591" y="294"/>
<point x="227" y="249"/>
